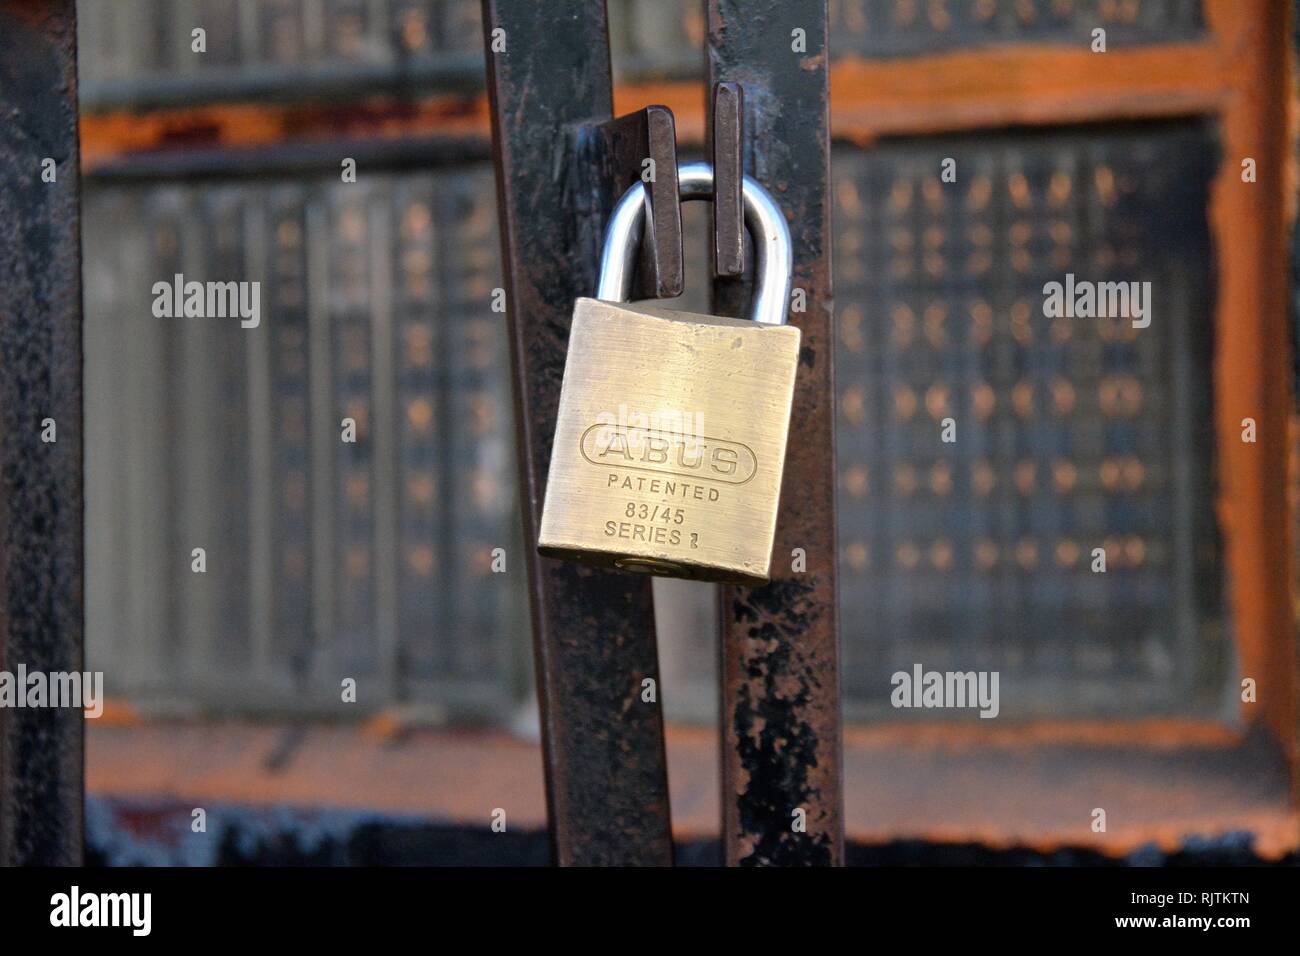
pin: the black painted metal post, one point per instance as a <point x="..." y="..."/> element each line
<point x="782" y="799"/>
<point x="41" y="558"/>
<point x="593" y="631"/>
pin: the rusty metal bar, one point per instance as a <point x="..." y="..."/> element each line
<point x="726" y="135"/>
<point x="593" y="631"/>
<point x="41" y="607"/>
<point x="781" y="754"/>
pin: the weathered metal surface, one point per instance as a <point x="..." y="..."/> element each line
<point x="593" y="631"/>
<point x="40" y="378"/>
<point x="611" y="157"/>
<point x="780" y="707"/>
<point x="725" y="138"/>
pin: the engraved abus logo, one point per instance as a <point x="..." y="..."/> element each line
<point x="669" y="453"/>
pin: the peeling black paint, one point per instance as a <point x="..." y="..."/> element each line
<point x="777" y="747"/>
<point x="781" y="731"/>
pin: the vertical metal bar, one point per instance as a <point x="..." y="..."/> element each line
<point x="727" y="136"/>
<point x="593" y="631"/>
<point x="181" y="57"/>
<point x="320" y="659"/>
<point x="384" y="469"/>
<point x="195" y="402"/>
<point x="151" y="553"/>
<point x="260" y="345"/>
<point x="41" y="551"/>
<point x="781" y="755"/>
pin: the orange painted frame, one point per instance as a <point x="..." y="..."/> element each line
<point x="1242" y="75"/>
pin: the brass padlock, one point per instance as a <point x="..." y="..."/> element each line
<point x="671" y="433"/>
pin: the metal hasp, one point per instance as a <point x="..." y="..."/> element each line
<point x="593" y="630"/>
<point x="41" y="555"/>
<point x="781" y="730"/>
<point x="614" y="155"/>
<point x="726" y="135"/>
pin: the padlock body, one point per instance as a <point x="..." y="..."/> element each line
<point x="670" y="442"/>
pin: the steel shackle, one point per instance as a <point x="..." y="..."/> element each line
<point x="773" y="253"/>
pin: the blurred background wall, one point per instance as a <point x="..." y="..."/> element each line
<point x="374" y="560"/>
